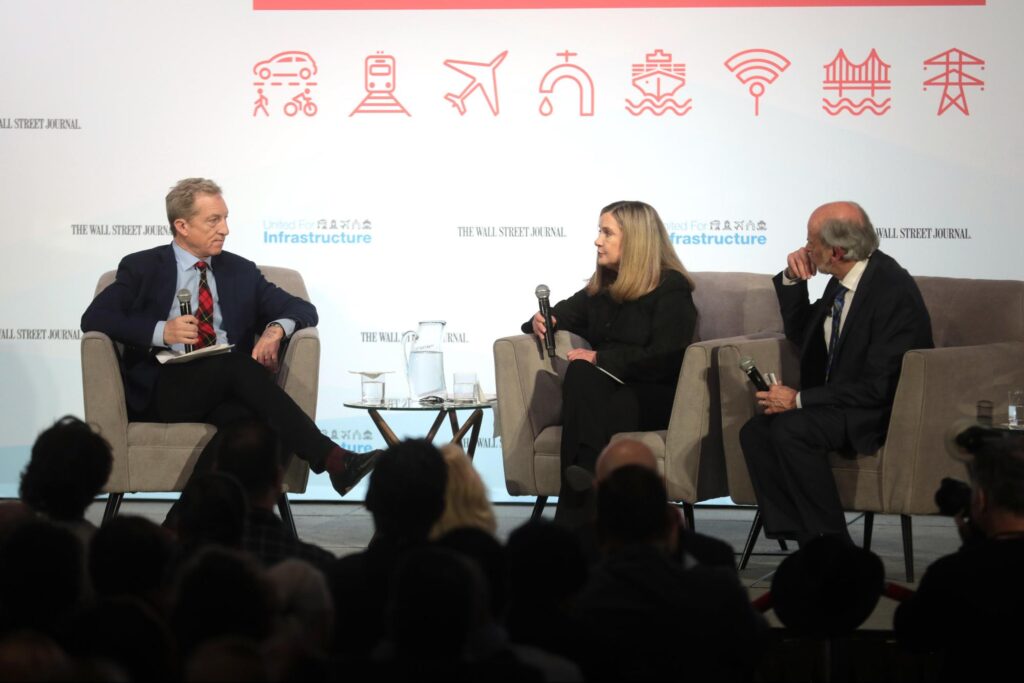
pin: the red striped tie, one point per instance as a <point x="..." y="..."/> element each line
<point x="204" y="313"/>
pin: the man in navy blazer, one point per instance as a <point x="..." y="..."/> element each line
<point x="852" y="342"/>
<point x="140" y="309"/>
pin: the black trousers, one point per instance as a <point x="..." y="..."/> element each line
<point x="787" y="458"/>
<point x="231" y="386"/>
<point x="594" y="407"/>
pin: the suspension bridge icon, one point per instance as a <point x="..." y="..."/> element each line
<point x="843" y="75"/>
<point x="756" y="69"/>
<point x="379" y="81"/>
<point x="573" y="73"/>
<point x="483" y="77"/>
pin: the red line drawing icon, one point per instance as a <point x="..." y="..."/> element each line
<point x="290" y="64"/>
<point x="379" y="81"/>
<point x="291" y="68"/>
<point x="871" y="75"/>
<point x="658" y="79"/>
<point x="954" y="79"/>
<point x="574" y="73"/>
<point x="301" y="102"/>
<point x="261" y="103"/>
<point x="756" y="69"/>
<point x="483" y="77"/>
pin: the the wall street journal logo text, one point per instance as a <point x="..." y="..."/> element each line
<point x="121" y="230"/>
<point x="514" y="232"/>
<point x="923" y="233"/>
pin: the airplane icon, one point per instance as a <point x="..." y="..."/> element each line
<point x="484" y="76"/>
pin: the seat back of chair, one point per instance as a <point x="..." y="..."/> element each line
<point x="733" y="304"/>
<point x="968" y="312"/>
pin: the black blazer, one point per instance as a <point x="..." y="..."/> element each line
<point x="143" y="291"/>
<point x="887" y="318"/>
<point x="637" y="341"/>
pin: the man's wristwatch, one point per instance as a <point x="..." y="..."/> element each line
<point x="277" y="325"/>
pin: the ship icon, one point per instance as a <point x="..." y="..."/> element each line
<point x="658" y="78"/>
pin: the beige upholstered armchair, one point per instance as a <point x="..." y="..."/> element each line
<point x="730" y="307"/>
<point x="154" y="456"/>
<point x="978" y="328"/>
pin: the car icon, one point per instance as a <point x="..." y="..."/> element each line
<point x="287" y="64"/>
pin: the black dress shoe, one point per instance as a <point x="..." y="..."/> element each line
<point x="579" y="479"/>
<point x="357" y="466"/>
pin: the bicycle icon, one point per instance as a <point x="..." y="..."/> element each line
<point x="302" y="102"/>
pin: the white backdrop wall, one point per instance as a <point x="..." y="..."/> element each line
<point x="133" y="95"/>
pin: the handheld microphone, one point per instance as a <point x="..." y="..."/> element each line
<point x="185" y="308"/>
<point x="747" y="366"/>
<point x="543" y="293"/>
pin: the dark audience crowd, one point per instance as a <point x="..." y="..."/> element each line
<point x="229" y="593"/>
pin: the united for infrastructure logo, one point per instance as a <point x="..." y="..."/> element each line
<point x="727" y="232"/>
<point x="318" y="231"/>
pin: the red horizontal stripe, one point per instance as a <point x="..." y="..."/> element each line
<point x="586" y="4"/>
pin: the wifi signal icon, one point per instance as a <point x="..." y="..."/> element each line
<point x="757" y="68"/>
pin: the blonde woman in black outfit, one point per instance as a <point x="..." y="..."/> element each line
<point x="637" y="313"/>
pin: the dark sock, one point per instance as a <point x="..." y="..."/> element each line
<point x="334" y="463"/>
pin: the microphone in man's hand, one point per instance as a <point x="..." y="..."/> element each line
<point x="747" y="365"/>
<point x="185" y="308"/>
<point x="544" y="304"/>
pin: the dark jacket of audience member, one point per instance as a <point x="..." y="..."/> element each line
<point x="406" y="498"/>
<point x="221" y="592"/>
<point x="968" y="605"/>
<point x="41" y="577"/>
<point x="250" y="452"/>
<point x="645" y="616"/>
<point x="131" y="556"/>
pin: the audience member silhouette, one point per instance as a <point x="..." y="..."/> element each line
<point x="405" y="498"/>
<point x="644" y="615"/>
<point x="211" y="511"/>
<point x="465" y="498"/>
<point x="132" y="556"/>
<point x="42" y="577"/>
<point x="221" y="592"/>
<point x="689" y="547"/>
<point x="546" y="571"/>
<point x="128" y="633"/>
<point x="968" y="605"/>
<point x="436" y="599"/>
<point x="250" y="452"/>
<point x="69" y="466"/>
<point x="489" y="650"/>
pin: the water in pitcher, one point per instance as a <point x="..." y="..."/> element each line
<point x="426" y="373"/>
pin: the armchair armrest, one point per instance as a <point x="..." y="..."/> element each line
<point x="529" y="388"/>
<point x="938" y="387"/>
<point x="694" y="457"/>
<point x="105" y="408"/>
<point x="736" y="392"/>
<point x="299" y="375"/>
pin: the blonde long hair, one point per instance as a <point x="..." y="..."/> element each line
<point x="465" y="497"/>
<point x="646" y="252"/>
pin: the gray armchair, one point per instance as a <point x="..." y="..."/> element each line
<point x="730" y="307"/>
<point x="156" y="456"/>
<point x="978" y="328"/>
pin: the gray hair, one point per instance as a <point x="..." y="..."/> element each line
<point x="857" y="238"/>
<point x="181" y="200"/>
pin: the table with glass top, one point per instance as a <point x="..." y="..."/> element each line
<point x="444" y="409"/>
